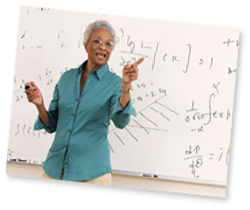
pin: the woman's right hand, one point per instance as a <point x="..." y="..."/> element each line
<point x="34" y="95"/>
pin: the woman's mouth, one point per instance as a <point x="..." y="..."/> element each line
<point x="100" y="56"/>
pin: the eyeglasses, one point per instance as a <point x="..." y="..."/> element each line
<point x="98" y="42"/>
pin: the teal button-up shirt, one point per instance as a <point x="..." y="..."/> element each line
<point x="81" y="123"/>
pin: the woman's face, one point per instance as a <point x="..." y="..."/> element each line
<point x="98" y="54"/>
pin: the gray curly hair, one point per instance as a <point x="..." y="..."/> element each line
<point x="98" y="24"/>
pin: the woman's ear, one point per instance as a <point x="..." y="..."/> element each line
<point x="86" y="48"/>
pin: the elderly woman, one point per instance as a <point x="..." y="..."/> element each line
<point x="84" y="101"/>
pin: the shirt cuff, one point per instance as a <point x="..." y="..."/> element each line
<point x="129" y="109"/>
<point x="39" y="124"/>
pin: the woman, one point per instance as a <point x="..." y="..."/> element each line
<point x="84" y="101"/>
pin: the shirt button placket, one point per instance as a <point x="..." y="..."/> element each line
<point x="74" y="114"/>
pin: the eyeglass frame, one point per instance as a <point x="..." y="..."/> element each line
<point x="100" y="43"/>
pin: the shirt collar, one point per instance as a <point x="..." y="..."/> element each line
<point x="100" y="73"/>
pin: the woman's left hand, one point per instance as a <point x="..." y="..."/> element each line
<point x="130" y="72"/>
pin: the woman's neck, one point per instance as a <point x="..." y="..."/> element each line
<point x="90" y="66"/>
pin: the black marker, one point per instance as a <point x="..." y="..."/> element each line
<point x="150" y="175"/>
<point x="27" y="86"/>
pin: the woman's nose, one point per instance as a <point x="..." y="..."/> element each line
<point x="103" y="45"/>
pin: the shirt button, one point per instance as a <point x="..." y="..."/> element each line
<point x="66" y="163"/>
<point x="77" y="99"/>
<point x="73" y="115"/>
<point x="69" y="130"/>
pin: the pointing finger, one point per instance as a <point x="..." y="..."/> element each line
<point x="138" y="62"/>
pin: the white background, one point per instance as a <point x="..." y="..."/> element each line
<point x="28" y="193"/>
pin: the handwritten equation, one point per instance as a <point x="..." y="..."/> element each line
<point x="27" y="131"/>
<point x="193" y="114"/>
<point x="133" y="50"/>
<point x="147" y="90"/>
<point x="196" y="160"/>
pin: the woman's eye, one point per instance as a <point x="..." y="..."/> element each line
<point x="97" y="41"/>
<point x="109" y="44"/>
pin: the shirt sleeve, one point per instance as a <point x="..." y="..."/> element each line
<point x="120" y="116"/>
<point x="53" y="114"/>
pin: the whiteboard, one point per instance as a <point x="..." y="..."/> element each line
<point x="184" y="95"/>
